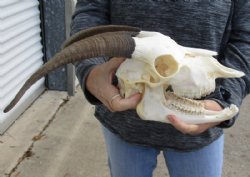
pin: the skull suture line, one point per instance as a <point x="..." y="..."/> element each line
<point x="159" y="63"/>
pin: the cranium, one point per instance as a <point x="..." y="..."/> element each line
<point x="171" y="77"/>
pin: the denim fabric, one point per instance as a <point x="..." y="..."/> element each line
<point x="128" y="160"/>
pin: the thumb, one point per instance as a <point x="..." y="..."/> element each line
<point x="115" y="62"/>
<point x="212" y="105"/>
<point x="121" y="104"/>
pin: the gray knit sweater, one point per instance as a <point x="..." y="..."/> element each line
<point x="218" y="25"/>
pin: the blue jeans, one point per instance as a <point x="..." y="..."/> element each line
<point x="128" y="160"/>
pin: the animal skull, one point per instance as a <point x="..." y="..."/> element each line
<point x="158" y="64"/>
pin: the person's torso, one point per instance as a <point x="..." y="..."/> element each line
<point x="193" y="23"/>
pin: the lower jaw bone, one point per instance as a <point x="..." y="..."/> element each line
<point x="156" y="104"/>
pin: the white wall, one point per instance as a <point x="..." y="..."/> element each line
<point x="20" y="55"/>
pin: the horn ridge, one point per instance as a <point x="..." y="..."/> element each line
<point x="98" y="30"/>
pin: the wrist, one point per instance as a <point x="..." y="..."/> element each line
<point x="90" y="78"/>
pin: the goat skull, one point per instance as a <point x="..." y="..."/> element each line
<point x="159" y="63"/>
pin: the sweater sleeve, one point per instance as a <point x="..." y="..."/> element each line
<point x="89" y="13"/>
<point x="235" y="54"/>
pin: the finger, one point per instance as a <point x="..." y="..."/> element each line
<point x="112" y="66"/>
<point x="121" y="104"/>
<point x="116" y="102"/>
<point x="212" y="105"/>
<point x="108" y="94"/>
<point x="107" y="102"/>
<point x="191" y="129"/>
<point x="182" y="126"/>
<point x="115" y="62"/>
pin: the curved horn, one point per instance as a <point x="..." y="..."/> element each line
<point x="98" y="30"/>
<point x="110" y="44"/>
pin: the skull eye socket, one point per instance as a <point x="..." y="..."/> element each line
<point x="166" y="65"/>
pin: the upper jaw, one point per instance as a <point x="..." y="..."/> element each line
<point x="157" y="62"/>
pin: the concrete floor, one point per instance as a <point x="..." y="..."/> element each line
<point x="59" y="137"/>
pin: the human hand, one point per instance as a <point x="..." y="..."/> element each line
<point x="194" y="129"/>
<point x="99" y="83"/>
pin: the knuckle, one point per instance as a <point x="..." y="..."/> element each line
<point x="192" y="131"/>
<point x="187" y="132"/>
<point x="116" y="107"/>
<point x="183" y="130"/>
<point x="119" y="108"/>
<point x="196" y="132"/>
